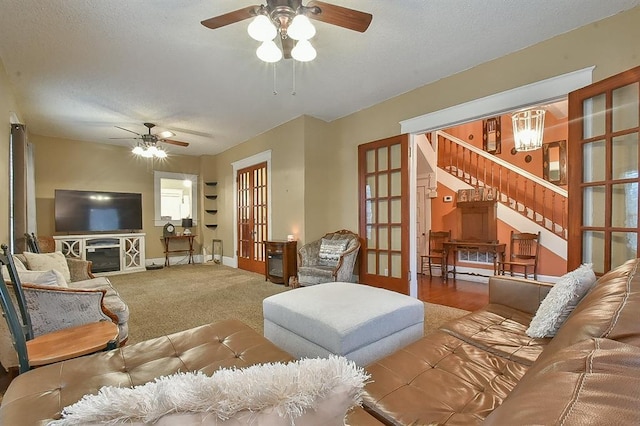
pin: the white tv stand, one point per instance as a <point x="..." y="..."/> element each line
<point x="110" y="253"/>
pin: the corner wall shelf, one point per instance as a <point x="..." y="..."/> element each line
<point x="211" y="208"/>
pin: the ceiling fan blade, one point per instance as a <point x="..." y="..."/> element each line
<point x="171" y="142"/>
<point x="127" y="130"/>
<point x="231" y="17"/>
<point x="126" y="138"/>
<point x="340" y="16"/>
<point x="287" y="45"/>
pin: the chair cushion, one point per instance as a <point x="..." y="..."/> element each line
<point x="330" y="251"/>
<point x="46" y="261"/>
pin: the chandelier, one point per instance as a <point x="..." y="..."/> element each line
<point x="287" y="23"/>
<point x="528" y="128"/>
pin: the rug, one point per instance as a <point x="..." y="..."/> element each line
<point x="184" y="296"/>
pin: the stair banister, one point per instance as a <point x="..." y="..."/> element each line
<point x="505" y="164"/>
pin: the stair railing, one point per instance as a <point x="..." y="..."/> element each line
<point x="518" y="189"/>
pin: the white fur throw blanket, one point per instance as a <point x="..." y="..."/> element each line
<point x="289" y="390"/>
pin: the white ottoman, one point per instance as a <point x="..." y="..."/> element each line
<point x="360" y="322"/>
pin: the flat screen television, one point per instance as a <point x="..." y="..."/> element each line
<point x="95" y="211"/>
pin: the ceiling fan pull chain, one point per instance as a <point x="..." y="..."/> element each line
<point x="293" y="91"/>
<point x="275" y="91"/>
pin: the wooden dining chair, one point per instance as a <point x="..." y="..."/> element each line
<point x="435" y="251"/>
<point x="52" y="347"/>
<point x="524" y="248"/>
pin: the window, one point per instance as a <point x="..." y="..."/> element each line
<point x="175" y="197"/>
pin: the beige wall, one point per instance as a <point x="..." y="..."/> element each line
<point x="7" y="107"/>
<point x="314" y="164"/>
<point x="287" y="145"/>
<point x="68" y="164"/>
<point x="607" y="45"/>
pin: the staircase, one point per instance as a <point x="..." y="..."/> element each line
<point x="533" y="197"/>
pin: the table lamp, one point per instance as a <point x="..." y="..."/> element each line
<point x="186" y="224"/>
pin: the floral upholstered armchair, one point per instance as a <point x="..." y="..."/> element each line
<point x="331" y="258"/>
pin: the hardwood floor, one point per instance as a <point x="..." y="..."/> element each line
<point x="467" y="295"/>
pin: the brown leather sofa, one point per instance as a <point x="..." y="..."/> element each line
<point x="483" y="368"/>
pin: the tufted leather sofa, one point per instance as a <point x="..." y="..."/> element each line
<point x="483" y="368"/>
<point x="38" y="396"/>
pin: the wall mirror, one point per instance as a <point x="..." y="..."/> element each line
<point x="554" y="162"/>
<point x="175" y="197"/>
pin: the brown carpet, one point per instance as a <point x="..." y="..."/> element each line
<point x="184" y="296"/>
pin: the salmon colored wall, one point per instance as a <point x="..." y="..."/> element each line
<point x="555" y="130"/>
<point x="443" y="215"/>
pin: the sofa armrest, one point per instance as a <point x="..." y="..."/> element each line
<point x="56" y="308"/>
<point x="308" y="254"/>
<point x="80" y="269"/>
<point x="517" y="293"/>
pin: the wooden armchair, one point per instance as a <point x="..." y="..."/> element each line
<point x="435" y="252"/>
<point x="331" y="258"/>
<point x="33" y="349"/>
<point x="523" y="253"/>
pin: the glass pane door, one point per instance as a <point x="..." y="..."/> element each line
<point x="384" y="223"/>
<point x="604" y="134"/>
<point x="252" y="217"/>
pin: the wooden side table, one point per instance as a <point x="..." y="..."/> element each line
<point x="167" y="240"/>
<point x="280" y="261"/>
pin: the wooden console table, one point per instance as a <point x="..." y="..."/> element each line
<point x="167" y="240"/>
<point x="495" y="248"/>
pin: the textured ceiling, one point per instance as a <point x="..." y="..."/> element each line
<point x="81" y="67"/>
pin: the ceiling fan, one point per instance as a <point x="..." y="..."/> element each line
<point x="283" y="13"/>
<point x="148" y="147"/>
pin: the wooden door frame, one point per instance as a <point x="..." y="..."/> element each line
<point x="262" y="157"/>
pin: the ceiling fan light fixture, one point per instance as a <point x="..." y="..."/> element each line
<point x="146" y="153"/>
<point x="269" y="52"/>
<point x="161" y="153"/>
<point x="303" y="51"/>
<point x="137" y="150"/>
<point x="262" y="29"/>
<point x="301" y="28"/>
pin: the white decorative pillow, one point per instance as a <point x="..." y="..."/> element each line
<point x="46" y="261"/>
<point x="304" y="392"/>
<point x="561" y="301"/>
<point x="18" y="264"/>
<point x="50" y="277"/>
<point x="331" y="250"/>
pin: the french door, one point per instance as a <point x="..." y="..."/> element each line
<point x="384" y="213"/>
<point x="604" y="135"/>
<point x="252" y="216"/>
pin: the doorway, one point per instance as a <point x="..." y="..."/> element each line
<point x="525" y="96"/>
